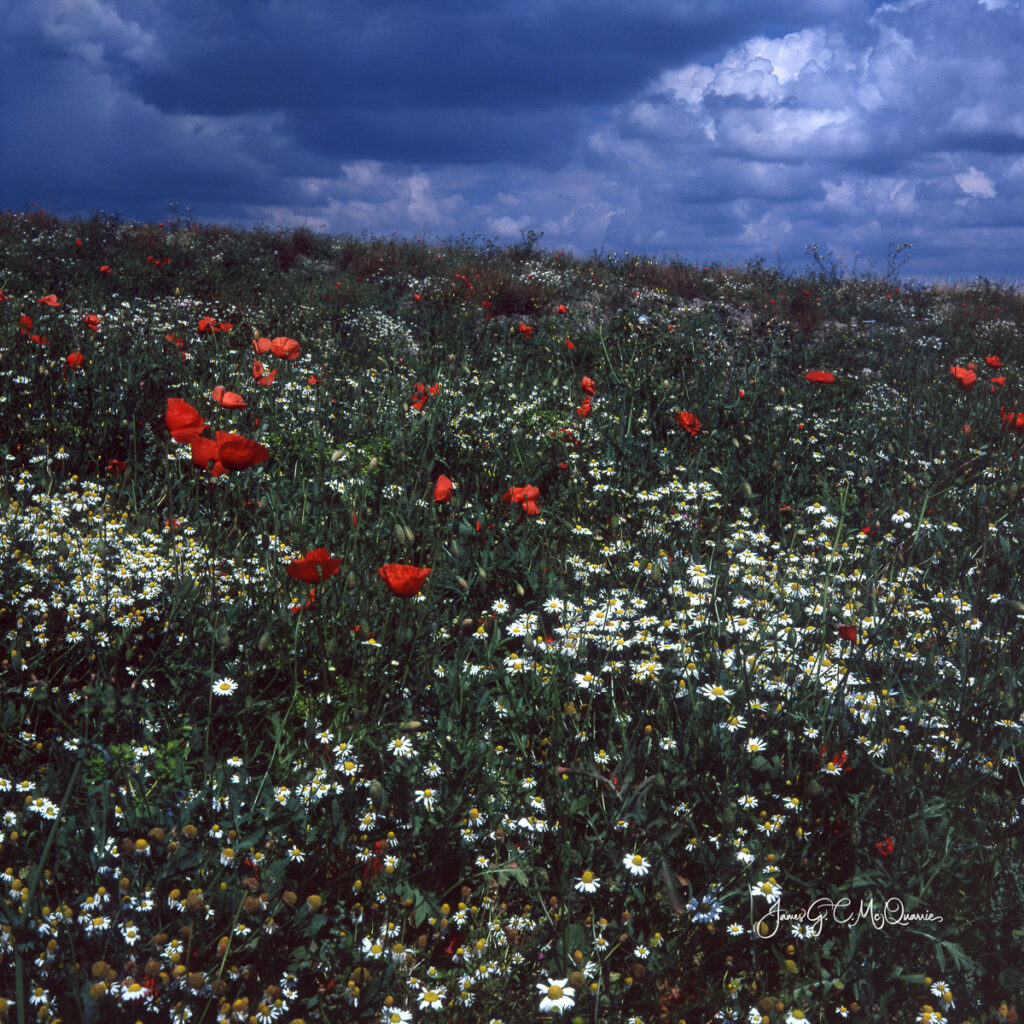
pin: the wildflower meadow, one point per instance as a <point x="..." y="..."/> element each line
<point x="400" y="631"/>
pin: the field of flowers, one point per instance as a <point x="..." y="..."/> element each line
<point x="395" y="631"/>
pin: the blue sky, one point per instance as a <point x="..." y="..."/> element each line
<point x="707" y="130"/>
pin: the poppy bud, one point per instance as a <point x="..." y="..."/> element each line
<point x="399" y="533"/>
<point x="519" y="590"/>
<point x="462" y="582"/>
<point x="409" y="535"/>
<point x="264" y="641"/>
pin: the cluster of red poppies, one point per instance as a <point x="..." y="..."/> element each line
<point x="75" y="360"/>
<point x="318" y="565"/>
<point x="225" y="453"/>
<point x="207" y="325"/>
<point x="966" y="377"/>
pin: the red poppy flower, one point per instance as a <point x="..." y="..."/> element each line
<point x="183" y="421"/>
<point x="820" y="377"/>
<point x="315" y="567"/>
<point x="49" y="300"/>
<point x="886" y="846"/>
<point x="92" y="321"/>
<point x="996" y="382"/>
<point x="1012" y="421"/>
<point x="260" y="374"/>
<point x="175" y="340"/>
<point x="965" y="378"/>
<point x="285" y="348"/>
<point x="569" y="345"/>
<point x="26" y="324"/>
<point x="221" y="327"/>
<point x="76" y="360"/>
<point x="561" y="309"/>
<point x="526" y="330"/>
<point x="422" y="394"/>
<point x="238" y="452"/>
<point x="443" y="488"/>
<point x="526" y="496"/>
<point x="994" y="361"/>
<point x="403" y="580"/>
<point x="848" y="633"/>
<point x="228" y="452"/>
<point x="261" y="345"/>
<point x="313" y="380"/>
<point x="228" y="398"/>
<point x="583" y="411"/>
<point x="39" y="339"/>
<point x="688" y="422"/>
<point x="588" y="385"/>
<point x="206" y="454"/>
<point x="116" y="466"/>
<point x="105" y="269"/>
<point x="207" y="325"/>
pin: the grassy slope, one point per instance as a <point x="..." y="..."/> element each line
<point x="651" y="666"/>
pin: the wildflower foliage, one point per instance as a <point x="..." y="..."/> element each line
<point x="518" y="637"/>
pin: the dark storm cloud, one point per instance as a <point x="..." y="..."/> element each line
<point x="714" y="130"/>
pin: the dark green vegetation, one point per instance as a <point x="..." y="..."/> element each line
<point x="717" y="669"/>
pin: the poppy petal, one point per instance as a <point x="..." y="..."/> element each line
<point x="183" y="420"/>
